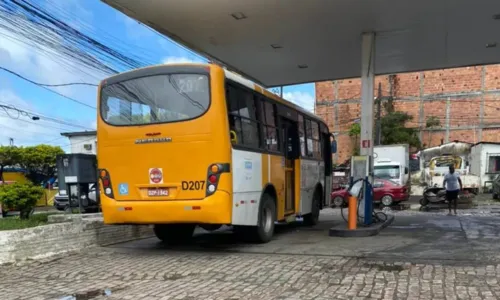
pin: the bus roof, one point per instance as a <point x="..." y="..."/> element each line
<point x="232" y="76"/>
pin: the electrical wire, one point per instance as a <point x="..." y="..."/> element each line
<point x="36" y="116"/>
<point x="69" y="98"/>
<point x="27" y="131"/>
<point x="45" y="84"/>
<point x="37" y="123"/>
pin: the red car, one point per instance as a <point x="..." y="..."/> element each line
<point x="385" y="191"/>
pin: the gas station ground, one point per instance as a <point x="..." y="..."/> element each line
<point x="422" y="255"/>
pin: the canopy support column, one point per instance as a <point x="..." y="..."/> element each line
<point x="367" y="118"/>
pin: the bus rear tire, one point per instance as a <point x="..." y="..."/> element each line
<point x="264" y="231"/>
<point x="312" y="218"/>
<point x="174" y="233"/>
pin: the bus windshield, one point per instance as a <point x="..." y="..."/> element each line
<point x="155" y="99"/>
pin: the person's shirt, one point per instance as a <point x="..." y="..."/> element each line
<point x="451" y="181"/>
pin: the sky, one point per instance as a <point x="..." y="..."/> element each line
<point x="40" y="65"/>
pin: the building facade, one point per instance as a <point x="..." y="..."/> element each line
<point x="82" y="142"/>
<point x="465" y="100"/>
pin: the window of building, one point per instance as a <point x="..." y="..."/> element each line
<point x="243" y="119"/>
<point x="494" y="163"/>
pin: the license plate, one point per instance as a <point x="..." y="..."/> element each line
<point x="158" y="192"/>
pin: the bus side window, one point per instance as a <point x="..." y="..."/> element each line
<point x="235" y="131"/>
<point x="309" y="139"/>
<point x="302" y="136"/>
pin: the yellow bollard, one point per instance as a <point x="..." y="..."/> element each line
<point x="353" y="213"/>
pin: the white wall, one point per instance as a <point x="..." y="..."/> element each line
<point x="78" y="144"/>
<point x="476" y="164"/>
<point x="480" y="161"/>
<point x="77" y="234"/>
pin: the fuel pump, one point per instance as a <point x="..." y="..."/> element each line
<point x="360" y="173"/>
<point x="361" y="203"/>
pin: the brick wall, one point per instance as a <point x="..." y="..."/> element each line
<point x="466" y="101"/>
<point x="52" y="239"/>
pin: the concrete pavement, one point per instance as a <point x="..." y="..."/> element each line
<point x="420" y="256"/>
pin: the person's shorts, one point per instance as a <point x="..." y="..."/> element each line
<point x="452" y="195"/>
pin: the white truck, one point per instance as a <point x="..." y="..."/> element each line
<point x="392" y="162"/>
<point x="436" y="161"/>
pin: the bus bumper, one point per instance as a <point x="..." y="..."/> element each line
<point x="215" y="209"/>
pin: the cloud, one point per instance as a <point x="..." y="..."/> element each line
<point x="43" y="65"/>
<point x="180" y="60"/>
<point x="304" y="100"/>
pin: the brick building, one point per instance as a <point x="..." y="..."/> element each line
<point x="465" y="100"/>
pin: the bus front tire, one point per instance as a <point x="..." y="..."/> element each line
<point x="174" y="233"/>
<point x="263" y="232"/>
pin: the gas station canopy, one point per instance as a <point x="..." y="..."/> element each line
<point x="284" y="42"/>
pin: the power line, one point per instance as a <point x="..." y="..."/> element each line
<point x="27" y="131"/>
<point x="39" y="124"/>
<point x="36" y="116"/>
<point x="64" y="96"/>
<point x="45" y="84"/>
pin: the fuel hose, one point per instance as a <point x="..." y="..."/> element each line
<point x="376" y="216"/>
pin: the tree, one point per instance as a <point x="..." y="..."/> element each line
<point x="40" y="161"/>
<point x="9" y="156"/>
<point x="354" y="133"/>
<point x="432" y="122"/>
<point x="394" y="130"/>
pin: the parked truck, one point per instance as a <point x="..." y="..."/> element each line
<point x="436" y="161"/>
<point x="392" y="162"/>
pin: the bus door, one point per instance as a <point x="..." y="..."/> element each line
<point x="290" y="137"/>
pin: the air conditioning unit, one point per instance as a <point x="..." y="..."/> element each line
<point x="87" y="147"/>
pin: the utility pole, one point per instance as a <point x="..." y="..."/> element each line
<point x="378" y="125"/>
<point x="11" y="141"/>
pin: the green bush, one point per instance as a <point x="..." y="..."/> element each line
<point x="21" y="197"/>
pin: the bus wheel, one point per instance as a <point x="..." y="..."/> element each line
<point x="313" y="218"/>
<point x="174" y="233"/>
<point x="263" y="232"/>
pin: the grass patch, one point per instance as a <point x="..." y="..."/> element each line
<point x="11" y="223"/>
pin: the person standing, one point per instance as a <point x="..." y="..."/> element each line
<point x="453" y="185"/>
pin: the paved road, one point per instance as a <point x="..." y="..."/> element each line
<point x="421" y="256"/>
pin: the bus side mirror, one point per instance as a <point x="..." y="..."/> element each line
<point x="406" y="170"/>
<point x="334" y="146"/>
<point x="233" y="136"/>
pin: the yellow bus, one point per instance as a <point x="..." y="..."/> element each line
<point x="191" y="145"/>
